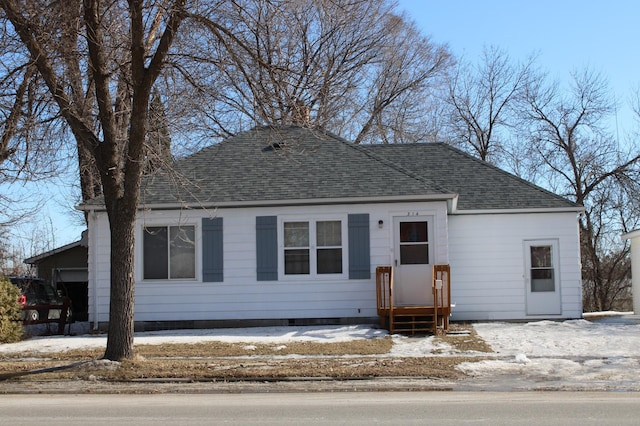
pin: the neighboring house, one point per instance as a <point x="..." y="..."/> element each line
<point x="66" y="269"/>
<point x="287" y="225"/>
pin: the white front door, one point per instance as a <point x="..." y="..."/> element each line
<point x="542" y="278"/>
<point x="413" y="257"/>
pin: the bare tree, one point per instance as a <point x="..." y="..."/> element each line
<point x="606" y="266"/>
<point x="92" y="67"/>
<point x="10" y="257"/>
<point x="158" y="144"/>
<point x="30" y="146"/>
<point x="99" y="63"/>
<point x="353" y="67"/>
<point x="15" y="246"/>
<point x="578" y="158"/>
<point x="480" y="100"/>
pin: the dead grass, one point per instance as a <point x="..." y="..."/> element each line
<point x="260" y="369"/>
<point x="243" y="361"/>
<point x="219" y="349"/>
<point x="464" y="338"/>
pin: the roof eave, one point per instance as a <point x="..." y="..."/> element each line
<point x="451" y="200"/>
<point x="568" y="209"/>
<point x="35" y="259"/>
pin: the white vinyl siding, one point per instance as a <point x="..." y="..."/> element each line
<point x="485" y="253"/>
<point x="242" y="295"/>
<point x="488" y="264"/>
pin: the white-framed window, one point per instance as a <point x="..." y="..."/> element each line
<point x="314" y="247"/>
<point x="169" y="252"/>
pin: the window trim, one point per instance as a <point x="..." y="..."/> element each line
<point x="197" y="252"/>
<point x="312" y="220"/>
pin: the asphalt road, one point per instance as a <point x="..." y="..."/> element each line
<point x="441" y="408"/>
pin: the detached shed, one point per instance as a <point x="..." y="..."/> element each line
<point x="66" y="269"/>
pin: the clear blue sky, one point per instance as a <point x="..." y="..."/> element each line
<point x="567" y="35"/>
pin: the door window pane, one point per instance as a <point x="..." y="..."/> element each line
<point x="542" y="272"/>
<point x="414" y="243"/>
<point x="541" y="257"/>
<point x="542" y="280"/>
<point x="413" y="232"/>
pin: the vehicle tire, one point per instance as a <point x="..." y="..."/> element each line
<point x="32" y="316"/>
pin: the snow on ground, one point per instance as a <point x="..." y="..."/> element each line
<point x="568" y="338"/>
<point x="272" y="335"/>
<point x="602" y="352"/>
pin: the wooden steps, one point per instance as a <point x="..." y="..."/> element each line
<point x="412" y="324"/>
<point x="414" y="319"/>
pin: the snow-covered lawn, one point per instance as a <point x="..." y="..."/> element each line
<point x="580" y="354"/>
<point x="603" y="352"/>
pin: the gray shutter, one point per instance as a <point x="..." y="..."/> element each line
<point x="359" y="251"/>
<point x="212" y="253"/>
<point x="267" y="248"/>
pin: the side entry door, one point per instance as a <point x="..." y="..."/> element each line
<point x="542" y="277"/>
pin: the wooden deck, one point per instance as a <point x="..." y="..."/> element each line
<point x="415" y="319"/>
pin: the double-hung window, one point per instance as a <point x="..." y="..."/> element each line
<point x="329" y="247"/>
<point x="313" y="247"/>
<point x="169" y="252"/>
<point x="296" y="251"/>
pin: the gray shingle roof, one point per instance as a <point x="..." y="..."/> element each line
<point x="480" y="186"/>
<point x="285" y="163"/>
<point x="288" y="164"/>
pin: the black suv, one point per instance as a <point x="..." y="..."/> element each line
<point x="37" y="292"/>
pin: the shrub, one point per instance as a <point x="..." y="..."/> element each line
<point x="10" y="312"/>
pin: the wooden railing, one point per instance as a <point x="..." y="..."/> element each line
<point x="384" y="295"/>
<point x="441" y="285"/>
<point x="415" y="318"/>
<point x="62" y="320"/>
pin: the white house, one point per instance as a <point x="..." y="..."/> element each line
<point x="287" y="225"/>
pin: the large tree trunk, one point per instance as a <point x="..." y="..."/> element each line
<point x="105" y="106"/>
<point x="122" y="291"/>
